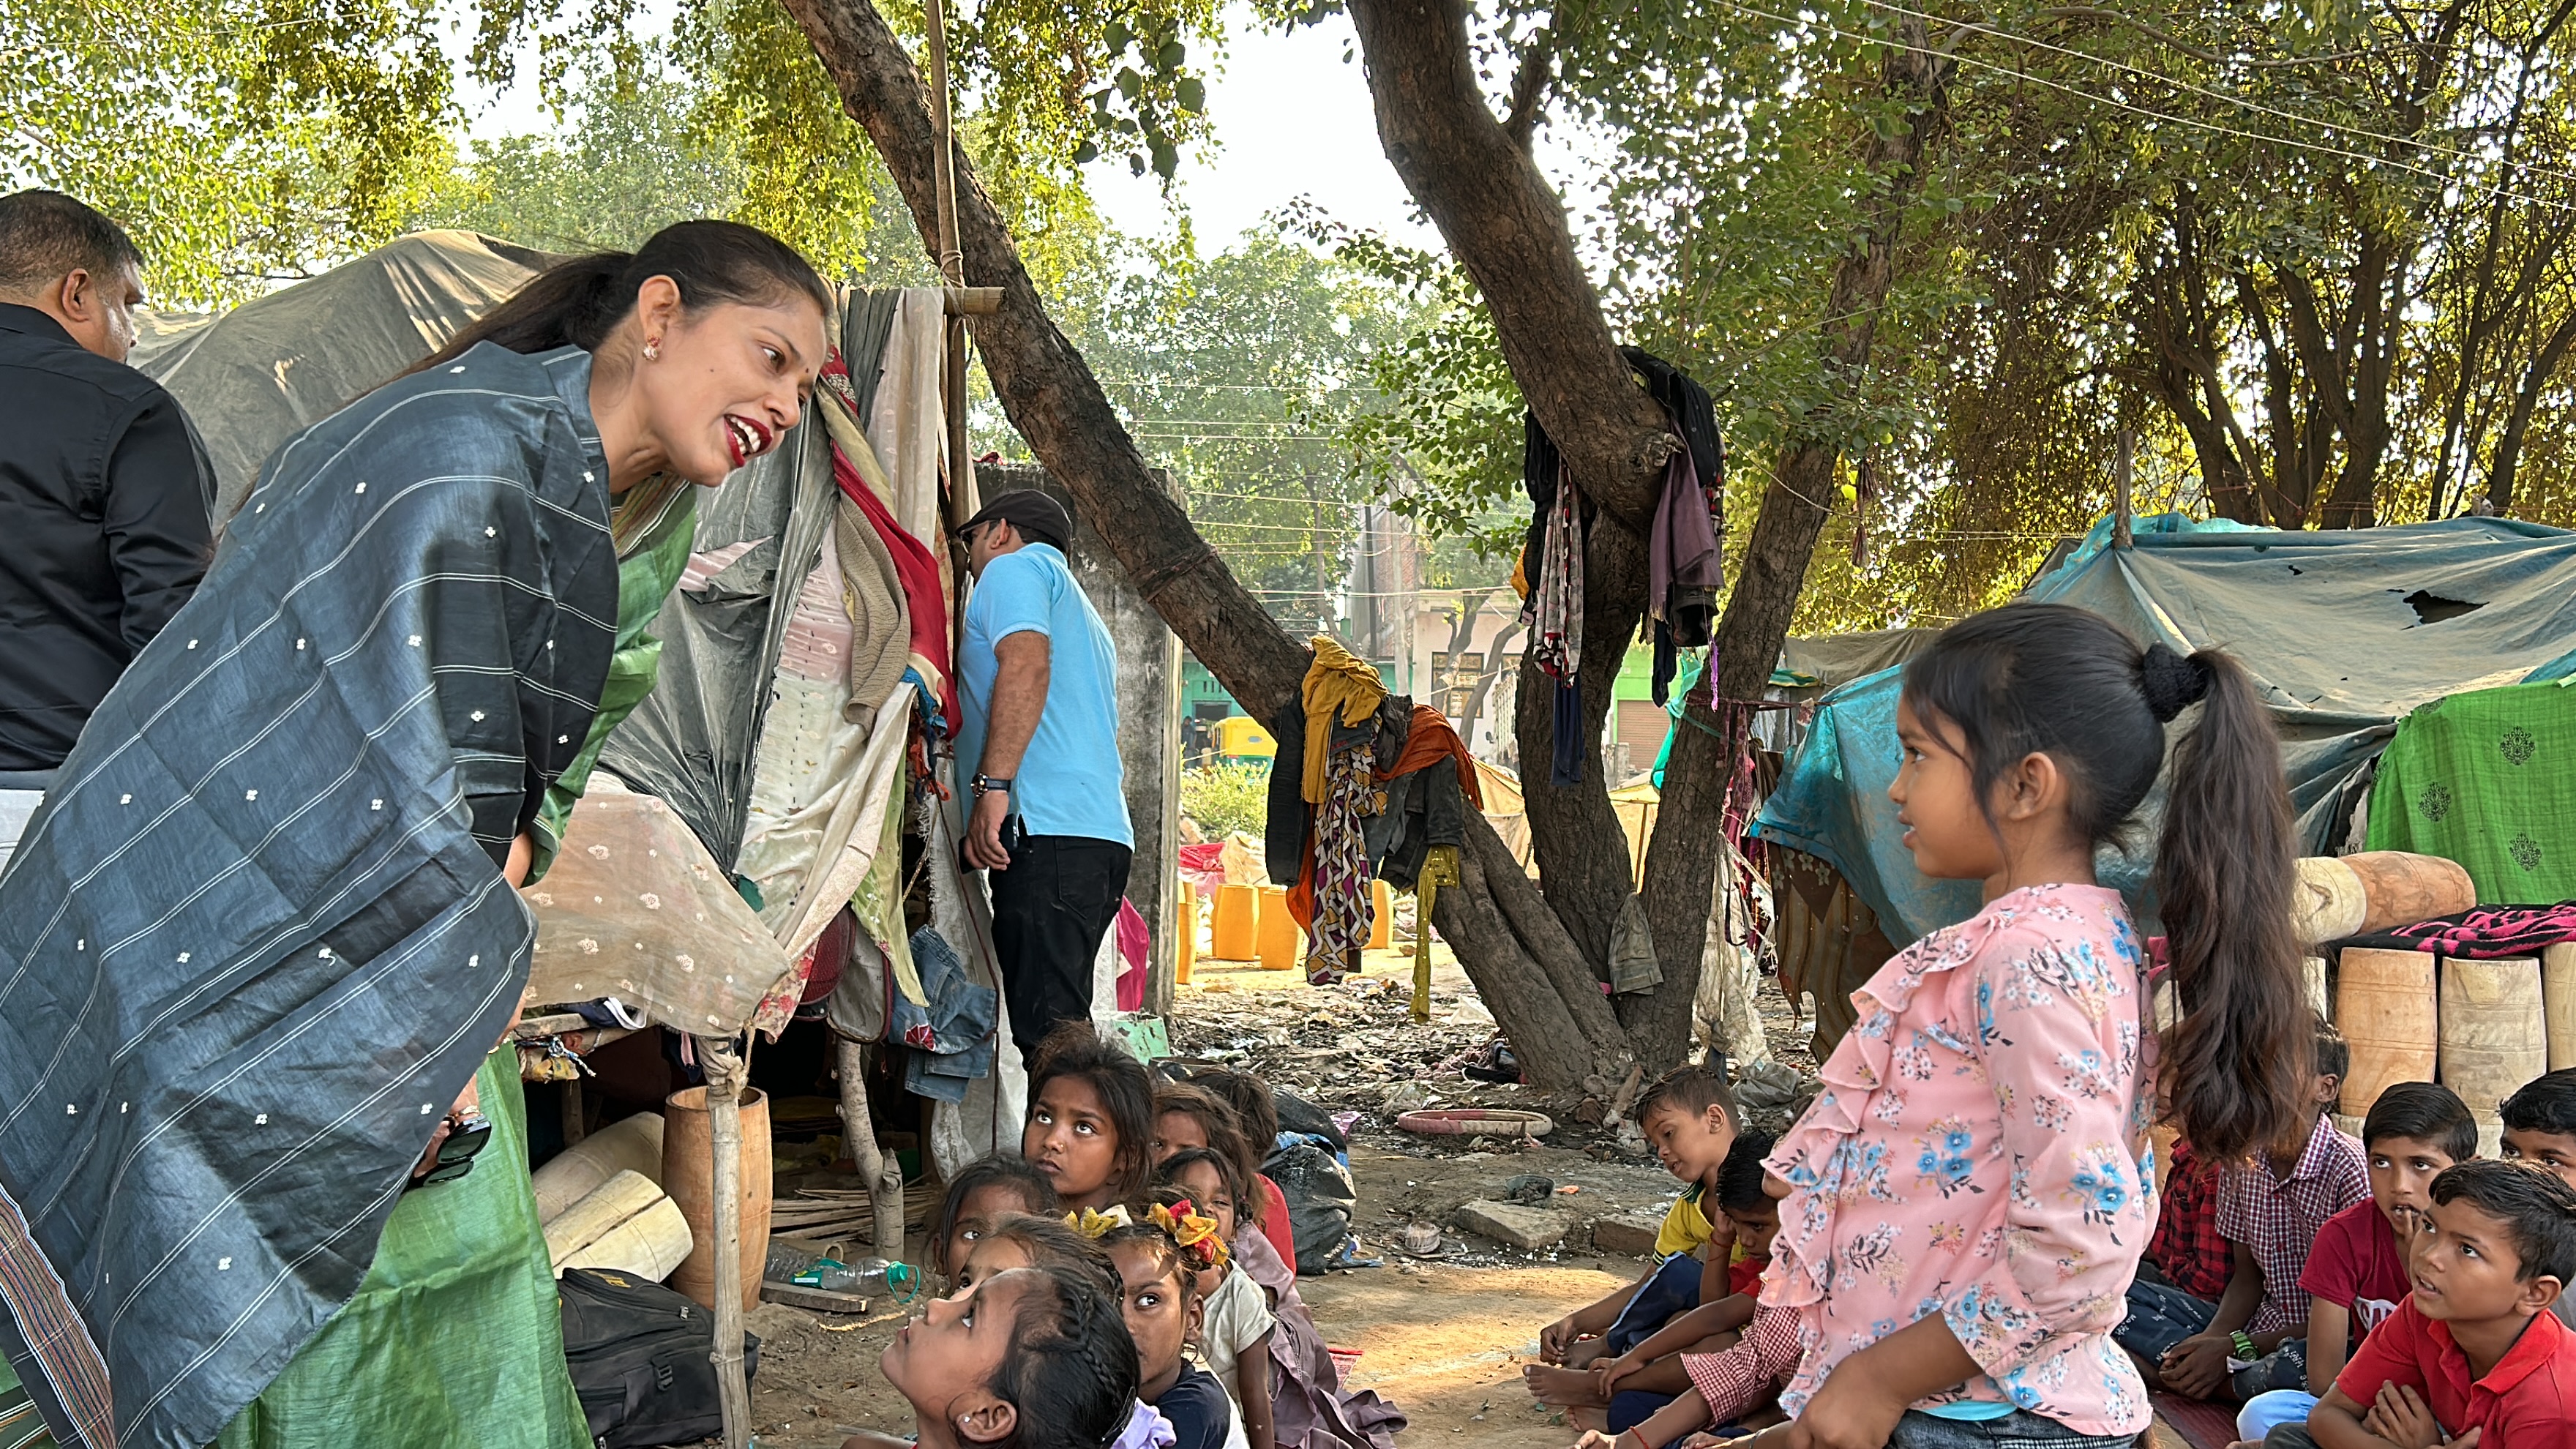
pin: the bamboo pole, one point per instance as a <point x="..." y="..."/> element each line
<point x="878" y="1168"/>
<point x="952" y="269"/>
<point x="726" y="1073"/>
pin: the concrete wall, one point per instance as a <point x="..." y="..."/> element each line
<point x="1149" y="722"/>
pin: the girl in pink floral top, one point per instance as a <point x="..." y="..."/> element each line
<point x="1969" y="1196"/>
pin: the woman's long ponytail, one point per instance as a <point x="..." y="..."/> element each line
<point x="2239" y="1065"/>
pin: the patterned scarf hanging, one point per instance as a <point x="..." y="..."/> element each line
<point x="1341" y="926"/>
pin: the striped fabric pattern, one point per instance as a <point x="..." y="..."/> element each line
<point x="256" y="941"/>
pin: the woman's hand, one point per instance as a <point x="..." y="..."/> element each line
<point x="469" y="1100"/>
<point x="1847" y="1413"/>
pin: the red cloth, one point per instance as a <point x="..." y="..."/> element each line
<point x="1745" y="1276"/>
<point x="1735" y="1383"/>
<point x="1274" y="1223"/>
<point x="2529" y="1397"/>
<point x="1205" y="864"/>
<point x="2355" y="1263"/>
<point x="1430" y="738"/>
<point x="1133" y="939"/>
<point x="2186" y="1244"/>
<point x="919" y="573"/>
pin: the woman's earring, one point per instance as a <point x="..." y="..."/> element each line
<point x="653" y="350"/>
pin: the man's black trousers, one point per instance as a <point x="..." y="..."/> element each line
<point x="1050" y="910"/>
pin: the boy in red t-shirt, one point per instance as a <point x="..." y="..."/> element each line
<point x="2474" y="1356"/>
<point x="2356" y="1271"/>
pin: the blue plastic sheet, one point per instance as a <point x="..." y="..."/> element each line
<point x="2345" y="631"/>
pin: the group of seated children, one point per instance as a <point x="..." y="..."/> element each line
<point x="1147" y="1205"/>
<point x="2393" y="1291"/>
<point x="1686" y="1347"/>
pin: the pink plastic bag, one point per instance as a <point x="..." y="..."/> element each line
<point x="1131" y="956"/>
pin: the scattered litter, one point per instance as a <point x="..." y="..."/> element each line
<point x="1570" y="1189"/>
<point x="1420" y="1239"/>
<point x="1529" y="1189"/>
<point x="1764" y="1085"/>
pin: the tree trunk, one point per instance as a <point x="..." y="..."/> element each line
<point x="1681" y="863"/>
<point x="1052" y="398"/>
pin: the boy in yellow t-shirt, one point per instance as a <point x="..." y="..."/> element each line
<point x="1688" y="1116"/>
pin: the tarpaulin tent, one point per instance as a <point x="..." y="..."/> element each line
<point x="253" y="377"/>
<point x="2345" y="632"/>
<point x="765" y="761"/>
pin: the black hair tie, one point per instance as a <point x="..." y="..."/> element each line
<point x="2172" y="682"/>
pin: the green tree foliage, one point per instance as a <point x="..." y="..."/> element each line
<point x="1226" y="799"/>
<point x="240" y="142"/>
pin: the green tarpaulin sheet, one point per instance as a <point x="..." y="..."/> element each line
<point x="2488" y="779"/>
<point x="2345" y="631"/>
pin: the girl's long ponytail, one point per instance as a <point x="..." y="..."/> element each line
<point x="2238" y="1067"/>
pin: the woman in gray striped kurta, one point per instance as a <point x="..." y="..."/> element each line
<point x="261" y="939"/>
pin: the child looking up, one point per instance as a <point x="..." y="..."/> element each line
<point x="1159" y="1261"/>
<point x="1972" y="1187"/>
<point x="1235" y="1321"/>
<point x="1688" y="1116"/>
<point x="2269" y="1212"/>
<point x="2357" y="1270"/>
<point x="1014" y="1241"/>
<point x="1258" y="1110"/>
<point x="1187" y="1115"/>
<point x="2474" y="1355"/>
<point x="985" y="1191"/>
<point x="1036" y="1358"/>
<point x="1091" y="1119"/>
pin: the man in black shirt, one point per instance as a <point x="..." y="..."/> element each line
<point x="104" y="491"/>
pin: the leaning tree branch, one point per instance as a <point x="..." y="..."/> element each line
<point x="1052" y="398"/>
<point x="1507" y="227"/>
<point x="1681" y="865"/>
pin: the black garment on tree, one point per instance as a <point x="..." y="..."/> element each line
<point x="104" y="495"/>
<point x="1049" y="911"/>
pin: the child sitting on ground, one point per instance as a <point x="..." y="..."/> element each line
<point x="2474" y="1355"/>
<point x="1159" y="1262"/>
<point x="2540" y="1128"/>
<point x="1258" y="1113"/>
<point x="1091" y="1120"/>
<point x="1189" y="1115"/>
<point x="986" y="1191"/>
<point x="1009" y="1242"/>
<point x="1035" y="1358"/>
<point x="2357" y="1269"/>
<point x="1638" y="1383"/>
<point x="1688" y="1116"/>
<point x="2269" y="1213"/>
<point x="2187" y="1253"/>
<point x="1235" y="1322"/>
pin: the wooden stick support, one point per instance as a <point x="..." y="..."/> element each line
<point x="879" y="1169"/>
<point x="972" y="301"/>
<point x="725" y="1076"/>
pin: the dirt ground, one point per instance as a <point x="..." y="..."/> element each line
<point x="1443" y="1338"/>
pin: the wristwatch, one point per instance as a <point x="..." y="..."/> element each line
<point x="984" y="785"/>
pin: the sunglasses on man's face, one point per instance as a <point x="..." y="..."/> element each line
<point x="468" y="1133"/>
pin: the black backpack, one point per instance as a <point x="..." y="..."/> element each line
<point x="640" y="1359"/>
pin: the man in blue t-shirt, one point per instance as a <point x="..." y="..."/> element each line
<point x="1039" y="680"/>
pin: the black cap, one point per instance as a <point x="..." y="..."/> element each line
<point x="1037" y="515"/>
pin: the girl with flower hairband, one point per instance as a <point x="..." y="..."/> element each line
<point x="1159" y="1262"/>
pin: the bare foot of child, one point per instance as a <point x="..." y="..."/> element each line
<point x="1563" y="1387"/>
<point x="1589" y="1418"/>
<point x="1589" y="1352"/>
